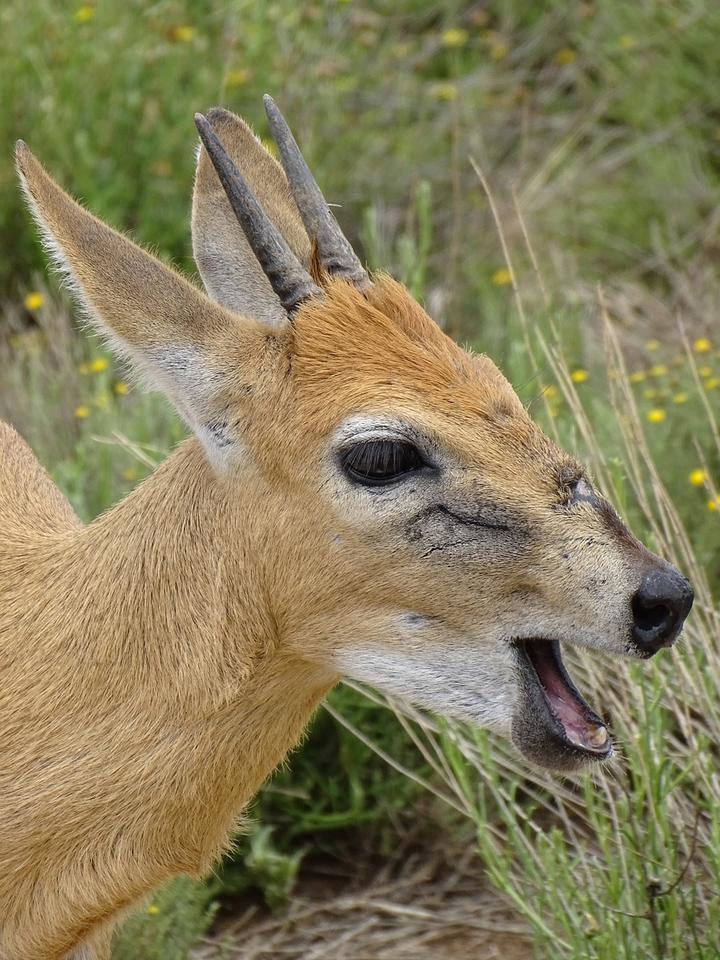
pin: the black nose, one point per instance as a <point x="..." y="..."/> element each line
<point x="659" y="609"/>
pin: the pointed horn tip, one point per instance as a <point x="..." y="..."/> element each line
<point x="278" y="123"/>
<point x="333" y="247"/>
<point x="272" y="112"/>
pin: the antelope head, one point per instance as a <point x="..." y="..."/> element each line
<point x="413" y="527"/>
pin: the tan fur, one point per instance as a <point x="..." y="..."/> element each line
<point x="159" y="663"/>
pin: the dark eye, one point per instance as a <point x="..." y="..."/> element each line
<point x="378" y="462"/>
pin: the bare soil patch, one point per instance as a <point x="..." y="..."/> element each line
<point x="417" y="909"/>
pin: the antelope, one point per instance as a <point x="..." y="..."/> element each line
<point x="360" y="497"/>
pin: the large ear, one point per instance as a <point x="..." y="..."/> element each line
<point x="190" y="347"/>
<point x="229" y="268"/>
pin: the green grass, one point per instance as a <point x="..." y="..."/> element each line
<point x="597" y="127"/>
<point x="169" y="925"/>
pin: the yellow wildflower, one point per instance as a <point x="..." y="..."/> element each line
<point x="658" y="371"/>
<point x="680" y="397"/>
<point x="625" y="42"/>
<point x="401" y="49"/>
<point x="368" y="38"/>
<point x="656" y="415"/>
<point x="550" y="392"/>
<point x="499" y="49"/>
<point x="565" y="56"/>
<point x="161" y="168"/>
<point x="444" y="91"/>
<point x="237" y="78"/>
<point x="501" y="277"/>
<point x="121" y="388"/>
<point x="153" y="910"/>
<point x="33" y="301"/>
<point x="702" y="345"/>
<point x="84" y="13"/>
<point x="579" y="376"/>
<point x="714" y="503"/>
<point x="99" y="364"/>
<point x="638" y="376"/>
<point x="183" y="34"/>
<point x="652" y="345"/>
<point x="82" y="411"/>
<point x="697" y="477"/>
<point x="129" y="475"/>
<point x="455" y="37"/>
<point x="712" y="384"/>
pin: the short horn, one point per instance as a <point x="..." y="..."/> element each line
<point x="334" y="250"/>
<point x="288" y="278"/>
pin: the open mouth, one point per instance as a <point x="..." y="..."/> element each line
<point x="554" y="726"/>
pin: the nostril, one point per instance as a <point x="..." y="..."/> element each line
<point x="650" y="616"/>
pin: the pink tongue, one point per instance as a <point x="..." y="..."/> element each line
<point x="562" y="702"/>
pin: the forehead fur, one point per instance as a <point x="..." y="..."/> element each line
<point x="388" y="341"/>
<point x="383" y="354"/>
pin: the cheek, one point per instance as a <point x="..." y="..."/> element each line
<point x="464" y="681"/>
<point x="433" y="535"/>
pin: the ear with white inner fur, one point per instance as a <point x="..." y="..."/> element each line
<point x="193" y="349"/>
<point x="230" y="270"/>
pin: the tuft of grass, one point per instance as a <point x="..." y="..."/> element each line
<point x="263" y="866"/>
<point x="169" y="925"/>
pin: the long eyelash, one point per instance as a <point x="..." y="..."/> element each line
<point x="378" y="456"/>
<point x="377" y="462"/>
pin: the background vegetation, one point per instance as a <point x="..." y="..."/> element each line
<point x="591" y="277"/>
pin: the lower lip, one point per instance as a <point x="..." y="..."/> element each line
<point x="579" y="727"/>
